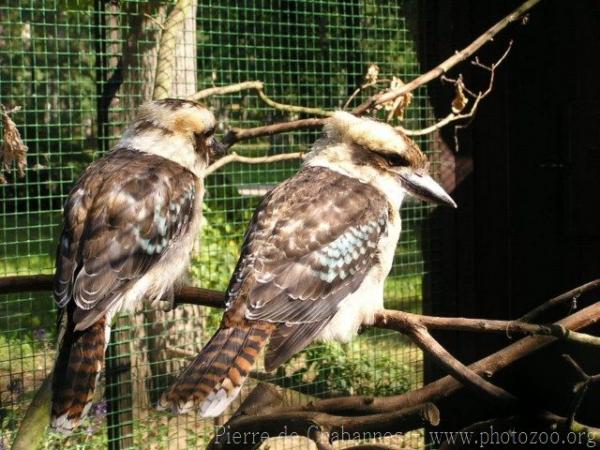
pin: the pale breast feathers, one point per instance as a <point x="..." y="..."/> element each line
<point x="310" y="244"/>
<point x="121" y="217"/>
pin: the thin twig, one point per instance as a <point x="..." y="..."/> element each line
<point x="446" y="65"/>
<point x="257" y="86"/>
<point x="154" y="21"/>
<point x="180" y="352"/>
<point x="292" y="108"/>
<point x="223" y="90"/>
<point x="580" y="389"/>
<point x="571" y="295"/>
<point x="234" y="157"/>
<point x="456" y="117"/>
<point x="236" y="135"/>
<point x="362" y="88"/>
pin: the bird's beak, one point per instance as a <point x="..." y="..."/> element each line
<point x="218" y="149"/>
<point x="426" y="188"/>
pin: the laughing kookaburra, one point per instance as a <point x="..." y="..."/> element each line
<point x="315" y="258"/>
<point x="129" y="225"/>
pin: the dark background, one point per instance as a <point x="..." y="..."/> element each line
<point x="526" y="179"/>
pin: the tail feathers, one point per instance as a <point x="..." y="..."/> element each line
<point x="214" y="379"/>
<point x="78" y="366"/>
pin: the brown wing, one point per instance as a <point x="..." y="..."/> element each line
<point x="309" y="245"/>
<point x="121" y="217"/>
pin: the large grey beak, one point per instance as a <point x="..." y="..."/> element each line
<point x="426" y="188"/>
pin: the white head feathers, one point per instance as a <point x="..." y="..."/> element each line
<point x="371" y="134"/>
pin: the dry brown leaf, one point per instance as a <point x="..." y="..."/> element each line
<point x="12" y="150"/>
<point x="398" y="107"/>
<point x="460" y="99"/>
<point x="372" y="74"/>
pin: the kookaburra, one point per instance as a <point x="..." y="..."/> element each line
<point x="314" y="260"/>
<point x="129" y="225"/>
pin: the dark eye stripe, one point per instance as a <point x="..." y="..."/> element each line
<point x="396" y="160"/>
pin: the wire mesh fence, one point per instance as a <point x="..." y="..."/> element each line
<point x="78" y="69"/>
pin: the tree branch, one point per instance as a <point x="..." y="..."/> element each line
<point x="172" y="30"/>
<point x="236" y="135"/>
<point x="454" y="367"/>
<point x="292" y="108"/>
<point x="234" y="157"/>
<point x="580" y="389"/>
<point x="404" y="321"/>
<point x="384" y="409"/>
<point x="459" y="116"/>
<point x="240" y="134"/>
<point x="462" y="55"/>
<point x="257" y="86"/>
<point x="254" y="422"/>
<point x="545" y="419"/>
<point x="571" y="295"/>
<point x="224" y="90"/>
<point x="446" y="386"/>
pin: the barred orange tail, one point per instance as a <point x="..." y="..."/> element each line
<point x="78" y="366"/>
<point x="215" y="377"/>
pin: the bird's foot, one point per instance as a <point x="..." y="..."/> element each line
<point x="167" y="301"/>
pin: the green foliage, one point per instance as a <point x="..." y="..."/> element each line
<point x="331" y="368"/>
<point x="219" y="251"/>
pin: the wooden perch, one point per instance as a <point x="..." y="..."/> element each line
<point x="415" y="326"/>
<point x="253" y="423"/>
<point x="420" y="336"/>
<point x="539" y="420"/>
<point x="571" y="296"/>
<point x="236" y="135"/>
<point x="387" y="319"/>
<point x="446" y="386"/>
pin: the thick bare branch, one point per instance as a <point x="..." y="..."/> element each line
<point x="454" y="367"/>
<point x="238" y="134"/>
<point x="537" y="419"/>
<point x="388" y="319"/>
<point x="257" y="428"/>
<point x="404" y="321"/>
<point x="446" y="386"/>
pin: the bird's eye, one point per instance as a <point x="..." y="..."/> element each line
<point x="396" y="160"/>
